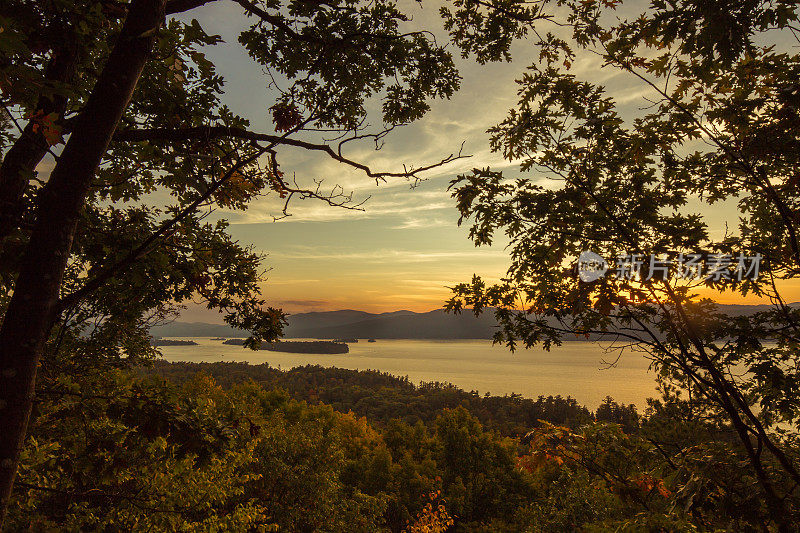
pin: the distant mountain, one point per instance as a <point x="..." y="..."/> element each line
<point x="742" y="309"/>
<point x="195" y="329"/>
<point x="354" y="324"/>
<point x="394" y="325"/>
<point x="323" y="319"/>
<point x="398" y="325"/>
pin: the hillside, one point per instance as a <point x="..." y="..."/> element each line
<point x="355" y="324"/>
<point x="349" y="323"/>
<point x="402" y="325"/>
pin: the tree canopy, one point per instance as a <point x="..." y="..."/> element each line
<point x="124" y="99"/>
<point x="717" y="132"/>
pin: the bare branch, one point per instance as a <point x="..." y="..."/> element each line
<point x="216" y="132"/>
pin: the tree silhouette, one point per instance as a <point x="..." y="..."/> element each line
<point x="141" y="110"/>
<point x="719" y="125"/>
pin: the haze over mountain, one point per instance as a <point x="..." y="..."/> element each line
<point x="393" y="325"/>
<point x="355" y="324"/>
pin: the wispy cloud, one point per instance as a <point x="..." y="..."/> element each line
<point x="394" y="256"/>
<point x="422" y="223"/>
<point x="398" y="248"/>
<point x="314" y="211"/>
<point x="304" y="303"/>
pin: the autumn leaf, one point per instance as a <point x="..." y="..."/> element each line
<point x="45" y="124"/>
<point x="286" y="116"/>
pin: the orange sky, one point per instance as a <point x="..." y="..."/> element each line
<point x="404" y="248"/>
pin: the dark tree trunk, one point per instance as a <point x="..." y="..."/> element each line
<point x="21" y="160"/>
<point x="32" y="308"/>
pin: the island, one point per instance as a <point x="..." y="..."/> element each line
<point x="218" y="339"/>
<point x="318" y="347"/>
<point x="348" y="341"/>
<point x="171" y="342"/>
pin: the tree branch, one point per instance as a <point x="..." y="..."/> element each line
<point x="179" y="6"/>
<point x="216" y="132"/>
<point x="281" y="23"/>
<point x="96" y="282"/>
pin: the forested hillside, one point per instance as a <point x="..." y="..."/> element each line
<point x="198" y="447"/>
<point x="382" y="397"/>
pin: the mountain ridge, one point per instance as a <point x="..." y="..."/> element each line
<point x="402" y="324"/>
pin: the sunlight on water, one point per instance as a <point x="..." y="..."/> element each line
<point x="577" y="369"/>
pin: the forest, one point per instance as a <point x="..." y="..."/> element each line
<point x="230" y="446"/>
<point x="659" y="139"/>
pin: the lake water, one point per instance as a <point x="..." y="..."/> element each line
<point x="578" y="369"/>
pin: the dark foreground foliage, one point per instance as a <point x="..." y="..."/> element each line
<point x="233" y="447"/>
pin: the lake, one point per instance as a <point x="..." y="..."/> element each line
<point x="578" y="369"/>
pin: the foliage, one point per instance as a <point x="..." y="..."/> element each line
<point x="433" y="518"/>
<point x="139" y="453"/>
<point x="720" y="128"/>
<point x="136" y="456"/>
<point x="118" y="449"/>
<point x="122" y="96"/>
<point x="381" y="397"/>
<point x="179" y="148"/>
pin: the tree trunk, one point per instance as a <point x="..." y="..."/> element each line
<point x="21" y="160"/>
<point x="31" y="311"/>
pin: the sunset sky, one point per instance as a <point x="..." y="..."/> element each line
<point x="404" y="249"/>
